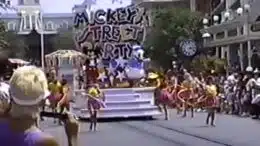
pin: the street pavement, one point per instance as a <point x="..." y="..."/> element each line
<point x="229" y="131"/>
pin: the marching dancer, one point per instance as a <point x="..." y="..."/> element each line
<point x="186" y="94"/>
<point x="54" y="88"/>
<point x="94" y="104"/>
<point x="161" y="97"/>
<point x="211" y="95"/>
<point x="63" y="103"/>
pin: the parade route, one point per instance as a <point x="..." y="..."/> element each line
<point x="230" y="130"/>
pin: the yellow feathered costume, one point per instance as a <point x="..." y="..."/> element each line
<point x="93" y="92"/>
<point x="211" y="91"/>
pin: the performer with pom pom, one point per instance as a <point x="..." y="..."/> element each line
<point x="94" y="103"/>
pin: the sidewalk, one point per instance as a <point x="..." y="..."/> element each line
<point x="230" y="130"/>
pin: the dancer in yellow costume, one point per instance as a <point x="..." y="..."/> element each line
<point x="94" y="104"/>
<point x="186" y="94"/>
<point x="211" y="95"/>
<point x="54" y="88"/>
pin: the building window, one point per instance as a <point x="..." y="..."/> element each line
<point x="33" y="21"/>
<point x="50" y="25"/>
<point x="11" y="26"/>
<point x="27" y="19"/>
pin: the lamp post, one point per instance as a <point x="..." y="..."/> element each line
<point x="226" y="15"/>
<point x="245" y="10"/>
<point x="205" y="35"/>
<point x="215" y="19"/>
<point x="41" y="37"/>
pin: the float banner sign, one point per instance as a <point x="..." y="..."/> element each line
<point x="114" y="29"/>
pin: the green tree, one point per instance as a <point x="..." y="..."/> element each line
<point x="63" y="40"/>
<point x="203" y="63"/>
<point x="3" y="43"/>
<point x="169" y="26"/>
<point x="16" y="46"/>
<point x="11" y="44"/>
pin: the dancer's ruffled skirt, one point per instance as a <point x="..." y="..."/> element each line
<point x="211" y="102"/>
<point x="95" y="104"/>
<point x="53" y="99"/>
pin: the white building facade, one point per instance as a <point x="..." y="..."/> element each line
<point x="29" y="16"/>
<point x="234" y="32"/>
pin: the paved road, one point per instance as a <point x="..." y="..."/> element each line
<point x="230" y="130"/>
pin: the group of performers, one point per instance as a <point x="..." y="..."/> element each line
<point x="187" y="93"/>
<point x="59" y="98"/>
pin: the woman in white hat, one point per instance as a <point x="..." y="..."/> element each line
<point x="28" y="89"/>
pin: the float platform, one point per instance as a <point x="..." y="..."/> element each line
<point x="120" y="103"/>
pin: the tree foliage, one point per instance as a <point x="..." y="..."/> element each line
<point x="11" y="44"/>
<point x="17" y="47"/>
<point x="169" y="26"/>
<point x="205" y="63"/>
<point x="64" y="40"/>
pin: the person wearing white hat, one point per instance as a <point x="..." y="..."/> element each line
<point x="28" y="91"/>
<point x="249" y="69"/>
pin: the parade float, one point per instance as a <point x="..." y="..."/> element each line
<point x="112" y="39"/>
<point x="65" y="64"/>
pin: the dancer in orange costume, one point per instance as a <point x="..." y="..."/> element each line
<point x="186" y="95"/>
<point x="177" y="102"/>
<point x="163" y="94"/>
<point x="161" y="97"/>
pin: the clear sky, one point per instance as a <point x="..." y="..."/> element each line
<point x="65" y="6"/>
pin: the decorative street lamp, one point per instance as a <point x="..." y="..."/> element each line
<point x="227" y="15"/>
<point x="216" y="19"/>
<point x="245" y="10"/>
<point x="205" y="22"/>
<point x="205" y="35"/>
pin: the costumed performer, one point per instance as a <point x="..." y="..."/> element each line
<point x="94" y="104"/>
<point x="186" y="94"/>
<point x="211" y="100"/>
<point x="65" y="96"/>
<point x="161" y="96"/>
<point x="54" y="88"/>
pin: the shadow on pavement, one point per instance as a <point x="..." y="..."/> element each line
<point x="108" y="120"/>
